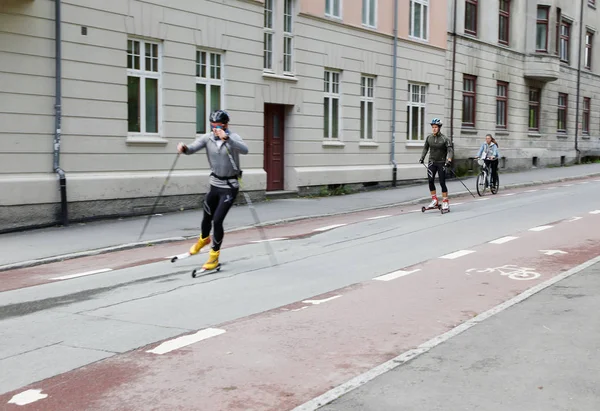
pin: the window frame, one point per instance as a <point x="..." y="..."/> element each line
<point x="475" y="5"/>
<point x="506" y="15"/>
<point x="564" y="108"/>
<point x="537" y="104"/>
<point x="502" y="100"/>
<point x="209" y="82"/>
<point x="143" y="75"/>
<point x="585" y="126"/>
<point x="469" y="94"/>
<point x="268" y="35"/>
<point x="328" y="76"/>
<point x="545" y="23"/>
<point x="589" y="43"/>
<point x="565" y="39"/>
<point x="365" y="98"/>
<point x="365" y="19"/>
<point x="288" y="35"/>
<point x="422" y="112"/>
<point x="424" y="23"/>
<point x="329" y="4"/>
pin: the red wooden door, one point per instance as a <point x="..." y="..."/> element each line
<point x="274" y="141"/>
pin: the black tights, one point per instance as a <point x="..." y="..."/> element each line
<point x="493" y="164"/>
<point x="437" y="168"/>
<point x="217" y="203"/>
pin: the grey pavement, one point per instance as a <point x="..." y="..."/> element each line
<point x="51" y="328"/>
<point x="539" y="355"/>
<point x="47" y="243"/>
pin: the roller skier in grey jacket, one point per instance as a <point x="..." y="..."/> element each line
<point x="441" y="154"/>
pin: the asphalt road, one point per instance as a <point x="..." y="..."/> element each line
<point x="55" y="327"/>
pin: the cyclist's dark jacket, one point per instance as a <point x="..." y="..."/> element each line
<point x="440" y="146"/>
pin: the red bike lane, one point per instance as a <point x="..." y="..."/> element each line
<point x="282" y="358"/>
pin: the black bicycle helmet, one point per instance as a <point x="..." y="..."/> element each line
<point x="219" y="116"/>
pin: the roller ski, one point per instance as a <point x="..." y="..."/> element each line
<point x="434" y="205"/>
<point x="445" y="206"/>
<point x="195" y="249"/>
<point x="211" y="266"/>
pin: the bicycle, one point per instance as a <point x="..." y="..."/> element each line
<point x="511" y="271"/>
<point x="483" y="179"/>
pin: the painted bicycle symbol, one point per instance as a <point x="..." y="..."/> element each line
<point x="511" y="271"/>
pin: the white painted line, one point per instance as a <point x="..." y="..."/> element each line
<point x="574" y="219"/>
<point x="356" y="382"/>
<point x="329" y="227"/>
<point x="583" y="182"/>
<point x="551" y="188"/>
<point x="27" y="397"/>
<point x="595" y="212"/>
<point x="530" y="191"/>
<point x="269" y="239"/>
<point x="300" y="309"/>
<point x="483" y="199"/>
<point x="395" y="274"/>
<point x="540" y="228"/>
<point x="455" y="204"/>
<point x="186" y="340"/>
<point x="67" y="277"/>
<point x="378" y="217"/>
<point x="567" y="185"/>
<point x="457" y="254"/>
<point x="414" y="211"/>
<point x="508" y="194"/>
<point x="552" y="252"/>
<point x="503" y="240"/>
<point x="317" y="302"/>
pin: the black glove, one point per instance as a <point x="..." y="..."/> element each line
<point x="421" y="161"/>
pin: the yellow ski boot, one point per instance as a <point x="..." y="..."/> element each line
<point x="195" y="249"/>
<point x="213" y="261"/>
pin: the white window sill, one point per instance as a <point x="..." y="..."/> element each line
<point x="273" y="76"/>
<point x="420" y="39"/>
<point x="371" y="144"/>
<point x="368" y="26"/>
<point x="562" y="135"/>
<point x="333" y="17"/>
<point x="468" y="130"/>
<point x="585" y="136"/>
<point x="534" y="135"/>
<point x="140" y="139"/>
<point x="415" y="143"/>
<point x="502" y="132"/>
<point x="333" y="143"/>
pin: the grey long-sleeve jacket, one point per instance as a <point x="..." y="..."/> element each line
<point x="440" y="146"/>
<point x="218" y="159"/>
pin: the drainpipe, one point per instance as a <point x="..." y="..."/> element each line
<point x="453" y="73"/>
<point x="57" y="117"/>
<point x="579" y="82"/>
<point x="394" y="65"/>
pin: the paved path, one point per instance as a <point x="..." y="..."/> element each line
<point x="38" y="244"/>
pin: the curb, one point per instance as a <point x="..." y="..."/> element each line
<point x="129" y="246"/>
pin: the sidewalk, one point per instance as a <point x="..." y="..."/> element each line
<point x="541" y="354"/>
<point x="21" y="249"/>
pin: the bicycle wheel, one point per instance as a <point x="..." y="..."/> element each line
<point x="496" y="186"/>
<point x="481" y="184"/>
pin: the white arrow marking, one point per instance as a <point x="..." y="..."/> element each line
<point x="317" y="302"/>
<point x="185" y="340"/>
<point x="27" y="397"/>
<point x="552" y="252"/>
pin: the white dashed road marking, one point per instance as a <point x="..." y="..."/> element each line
<point x="378" y="217"/>
<point x="509" y="194"/>
<point x="395" y="274"/>
<point x="503" y="240"/>
<point x="329" y="227"/>
<point x="270" y="239"/>
<point x="186" y="340"/>
<point x="574" y="219"/>
<point x="457" y="254"/>
<point x="595" y="212"/>
<point x="317" y="302"/>
<point x="67" y="277"/>
<point x="540" y="228"/>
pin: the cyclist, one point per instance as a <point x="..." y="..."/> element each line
<point x="488" y="152"/>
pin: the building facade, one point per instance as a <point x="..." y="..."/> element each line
<point x="515" y="65"/>
<point x="308" y="84"/>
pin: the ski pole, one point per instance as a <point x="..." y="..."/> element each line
<point x="459" y="179"/>
<point x="257" y="222"/>
<point x="158" y="198"/>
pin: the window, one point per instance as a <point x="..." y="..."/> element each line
<point x="471" y="17"/>
<point x="534" y="109"/>
<point x="565" y="29"/>
<point x="268" y="36"/>
<point x="592" y="3"/>
<point x="586" y="115"/>
<point x="333" y="8"/>
<point x="143" y="85"/>
<point x="288" y="36"/>
<point x="469" y="100"/>
<point x="209" y="88"/>
<point x="504" y="22"/>
<point x="331" y="104"/>
<point x="562" y="112"/>
<point x="589" y="37"/>
<point x="366" y="107"/>
<point x="541" y="33"/>
<point x="415" y="112"/>
<point x="418" y="18"/>
<point x="369" y="11"/>
<point x="501" y="104"/>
